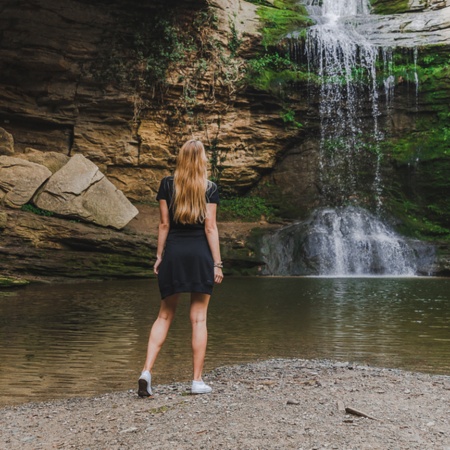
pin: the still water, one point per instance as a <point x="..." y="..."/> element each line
<point x="60" y="341"/>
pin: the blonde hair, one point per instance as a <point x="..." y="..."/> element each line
<point x="190" y="184"/>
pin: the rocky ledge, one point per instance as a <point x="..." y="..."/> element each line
<point x="41" y="248"/>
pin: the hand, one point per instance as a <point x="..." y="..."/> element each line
<point x="218" y="275"/>
<point x="157" y="264"/>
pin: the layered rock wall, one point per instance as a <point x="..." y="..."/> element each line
<point x="71" y="81"/>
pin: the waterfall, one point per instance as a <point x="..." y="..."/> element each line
<point x="347" y="241"/>
<point x="339" y="240"/>
<point x="345" y="62"/>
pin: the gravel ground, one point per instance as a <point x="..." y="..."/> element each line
<point x="276" y="404"/>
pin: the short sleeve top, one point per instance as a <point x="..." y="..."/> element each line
<point x="165" y="192"/>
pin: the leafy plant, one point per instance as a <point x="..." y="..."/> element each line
<point x="245" y="208"/>
<point x="288" y="117"/>
<point x="234" y="41"/>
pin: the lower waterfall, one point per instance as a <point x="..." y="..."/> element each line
<point x="347" y="241"/>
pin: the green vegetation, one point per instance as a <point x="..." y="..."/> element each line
<point x="245" y="209"/>
<point x="281" y="18"/>
<point x="418" y="194"/>
<point x="390" y="6"/>
<point x="274" y="72"/>
<point x="35" y="210"/>
<point x="288" y="117"/>
<point x="234" y="41"/>
<point x="421" y="221"/>
<point x="6" y="282"/>
<point x="140" y="56"/>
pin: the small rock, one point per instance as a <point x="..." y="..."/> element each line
<point x="129" y="430"/>
<point x="292" y="402"/>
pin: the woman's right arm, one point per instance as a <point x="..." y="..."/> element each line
<point x="163" y="231"/>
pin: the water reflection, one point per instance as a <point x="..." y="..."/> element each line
<point x="60" y="341"/>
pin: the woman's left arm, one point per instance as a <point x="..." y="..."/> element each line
<point x="212" y="235"/>
<point x="163" y="231"/>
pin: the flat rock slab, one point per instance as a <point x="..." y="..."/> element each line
<point x="19" y="180"/>
<point x="81" y="191"/>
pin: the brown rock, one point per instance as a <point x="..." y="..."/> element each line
<point x="80" y="190"/>
<point x="19" y="180"/>
<point x="52" y="160"/>
<point x="6" y="143"/>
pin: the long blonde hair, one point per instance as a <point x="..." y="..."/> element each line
<point x="190" y="184"/>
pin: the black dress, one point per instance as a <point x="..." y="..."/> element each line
<point x="187" y="264"/>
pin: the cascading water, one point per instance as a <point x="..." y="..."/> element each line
<point x="344" y="240"/>
<point x="345" y="62"/>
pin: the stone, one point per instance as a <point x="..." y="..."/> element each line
<point x="19" y="180"/>
<point x="52" y="160"/>
<point x="3" y="220"/>
<point x="81" y="191"/>
<point x="6" y="143"/>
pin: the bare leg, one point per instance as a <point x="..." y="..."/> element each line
<point x="160" y="328"/>
<point x="198" y="313"/>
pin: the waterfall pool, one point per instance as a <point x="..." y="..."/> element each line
<point x="60" y="341"/>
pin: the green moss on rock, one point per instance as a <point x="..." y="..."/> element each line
<point x="284" y="17"/>
<point x="6" y="282"/>
<point x="390" y="6"/>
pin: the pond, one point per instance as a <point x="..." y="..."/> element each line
<point x="60" y="341"/>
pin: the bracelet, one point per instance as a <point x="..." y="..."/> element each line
<point x="219" y="264"/>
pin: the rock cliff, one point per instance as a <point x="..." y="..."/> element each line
<point x="91" y="78"/>
<point x="124" y="83"/>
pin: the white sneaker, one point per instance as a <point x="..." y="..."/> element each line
<point x="199" y="387"/>
<point x="145" y="384"/>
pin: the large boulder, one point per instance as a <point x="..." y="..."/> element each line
<point x="54" y="161"/>
<point x="19" y="180"/>
<point x="6" y="143"/>
<point x="81" y="191"/>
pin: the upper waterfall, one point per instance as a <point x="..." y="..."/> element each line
<point x="352" y="84"/>
<point x="346" y="63"/>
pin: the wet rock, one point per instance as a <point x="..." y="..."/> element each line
<point x="81" y="191"/>
<point x="430" y="27"/>
<point x="19" y="180"/>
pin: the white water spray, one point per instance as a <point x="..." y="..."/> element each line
<point x="345" y="241"/>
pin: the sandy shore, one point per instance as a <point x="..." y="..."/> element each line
<point x="276" y="404"/>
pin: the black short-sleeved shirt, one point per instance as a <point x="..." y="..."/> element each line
<point x="165" y="192"/>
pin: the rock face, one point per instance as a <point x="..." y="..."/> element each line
<point x="54" y="249"/>
<point x="68" y="90"/>
<point x="65" y="89"/>
<point x="81" y="191"/>
<point x="19" y="180"/>
<point x="429" y="27"/>
<point x="6" y="143"/>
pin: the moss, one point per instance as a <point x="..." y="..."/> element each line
<point x="431" y="144"/>
<point x="284" y="17"/>
<point x="35" y="210"/>
<point x="6" y="282"/>
<point x="419" y="198"/>
<point x="390" y="6"/>
<point x="276" y="82"/>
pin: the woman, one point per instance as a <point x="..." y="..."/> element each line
<point x="187" y="257"/>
